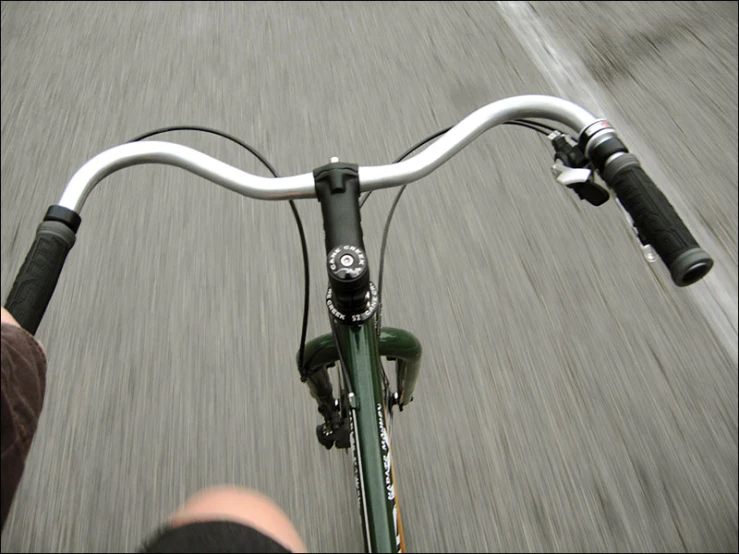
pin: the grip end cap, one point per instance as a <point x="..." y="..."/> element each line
<point x="690" y="267"/>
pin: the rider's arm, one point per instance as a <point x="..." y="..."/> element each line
<point x="23" y="384"/>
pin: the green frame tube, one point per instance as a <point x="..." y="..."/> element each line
<point x="360" y="351"/>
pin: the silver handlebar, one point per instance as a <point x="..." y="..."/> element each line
<point x="467" y="130"/>
<point x="156" y="152"/>
<point x="303" y="186"/>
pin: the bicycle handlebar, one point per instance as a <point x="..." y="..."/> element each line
<point x="467" y="130"/>
<point x="303" y="186"/>
<point x="653" y="215"/>
<point x="194" y="161"/>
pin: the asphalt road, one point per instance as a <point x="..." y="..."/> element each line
<point x="571" y="398"/>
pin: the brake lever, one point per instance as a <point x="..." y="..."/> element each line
<point x="580" y="180"/>
<point x="573" y="170"/>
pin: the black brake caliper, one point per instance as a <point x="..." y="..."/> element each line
<point x="334" y="431"/>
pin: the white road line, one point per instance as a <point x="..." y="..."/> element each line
<point x="716" y="296"/>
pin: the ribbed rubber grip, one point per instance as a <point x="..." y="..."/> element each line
<point x="38" y="276"/>
<point x="657" y="221"/>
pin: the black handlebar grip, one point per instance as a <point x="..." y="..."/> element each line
<point x="38" y="276"/>
<point x="657" y="221"/>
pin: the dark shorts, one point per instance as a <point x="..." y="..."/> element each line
<point x="212" y="536"/>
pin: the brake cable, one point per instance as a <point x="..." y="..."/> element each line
<point x="540" y="128"/>
<point x="293" y="207"/>
<point x="530" y="124"/>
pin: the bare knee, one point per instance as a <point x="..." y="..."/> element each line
<point x="242" y="506"/>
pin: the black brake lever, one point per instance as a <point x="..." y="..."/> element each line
<point x="592" y="192"/>
<point x="572" y="169"/>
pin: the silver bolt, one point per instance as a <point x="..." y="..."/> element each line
<point x="334" y="159"/>
<point x="346" y="260"/>
<point x="649" y="254"/>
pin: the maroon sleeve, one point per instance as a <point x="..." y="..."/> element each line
<point x="23" y="385"/>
